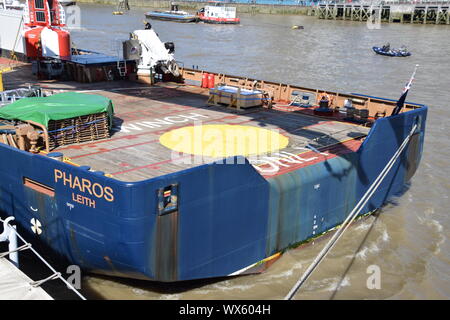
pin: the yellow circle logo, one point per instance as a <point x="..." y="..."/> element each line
<point x="223" y="140"/>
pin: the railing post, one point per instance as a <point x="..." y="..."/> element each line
<point x="1" y="81"/>
<point x="14" y="255"/>
<point x="9" y="234"/>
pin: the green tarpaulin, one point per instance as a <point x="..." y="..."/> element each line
<point x="57" y="107"/>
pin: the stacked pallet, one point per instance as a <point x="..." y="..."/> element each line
<point x="78" y="129"/>
<point x="8" y="139"/>
<point x="19" y="135"/>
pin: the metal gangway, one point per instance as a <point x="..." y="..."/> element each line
<point x="13" y="283"/>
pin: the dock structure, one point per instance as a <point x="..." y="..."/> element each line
<point x="424" y="12"/>
<point x="15" y="285"/>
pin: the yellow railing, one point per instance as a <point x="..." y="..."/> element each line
<point x="1" y="77"/>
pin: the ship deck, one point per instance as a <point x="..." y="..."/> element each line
<point x="143" y="114"/>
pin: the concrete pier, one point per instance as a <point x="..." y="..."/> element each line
<point x="193" y="5"/>
<point x="422" y="13"/>
<point x="400" y="11"/>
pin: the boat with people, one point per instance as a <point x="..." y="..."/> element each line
<point x="218" y="13"/>
<point x="197" y="174"/>
<point x="387" y="51"/>
<point x="174" y="14"/>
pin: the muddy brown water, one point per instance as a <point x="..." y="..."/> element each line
<point x="408" y="241"/>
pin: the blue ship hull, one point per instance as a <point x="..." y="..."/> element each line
<point x="228" y="219"/>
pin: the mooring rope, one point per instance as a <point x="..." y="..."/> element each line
<point x="353" y="214"/>
<point x="55" y="275"/>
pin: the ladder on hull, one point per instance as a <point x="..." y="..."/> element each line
<point x="122" y="67"/>
<point x="116" y="46"/>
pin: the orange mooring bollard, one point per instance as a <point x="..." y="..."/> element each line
<point x="204" y="80"/>
<point x="211" y="80"/>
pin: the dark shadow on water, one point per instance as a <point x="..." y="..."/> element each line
<point x="151" y="286"/>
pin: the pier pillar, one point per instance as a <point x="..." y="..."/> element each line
<point x="385" y="13"/>
<point x="347" y="12"/>
<point x="357" y="13"/>
<point x="419" y="14"/>
<point x="321" y="12"/>
<point x="367" y="12"/>
<point x="442" y="16"/>
<point x="331" y="12"/>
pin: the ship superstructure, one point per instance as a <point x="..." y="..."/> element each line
<point x="34" y="29"/>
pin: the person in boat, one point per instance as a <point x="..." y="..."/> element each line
<point x="386" y="47"/>
<point x="147" y="26"/>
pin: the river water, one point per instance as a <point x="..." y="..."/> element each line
<point x="408" y="241"/>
